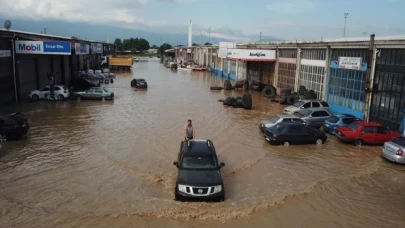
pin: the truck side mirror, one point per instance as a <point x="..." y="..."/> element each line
<point x="176" y="164"/>
<point x="222" y="164"/>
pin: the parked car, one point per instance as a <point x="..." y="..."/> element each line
<point x="360" y="132"/>
<point x="139" y="83"/>
<point x="13" y="125"/>
<point x="394" y="150"/>
<point x="95" y="93"/>
<point x="294" y="133"/>
<point x="304" y="104"/>
<point x="332" y="122"/>
<point x="314" y="117"/>
<point x="199" y="175"/>
<point x="264" y="124"/>
<point x="60" y="91"/>
<point x="81" y="84"/>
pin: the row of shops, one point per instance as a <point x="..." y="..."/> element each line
<point x="27" y="60"/>
<point x="364" y="77"/>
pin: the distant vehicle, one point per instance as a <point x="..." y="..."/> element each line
<point x="95" y="93"/>
<point x="81" y="84"/>
<point x="139" y="83"/>
<point x="294" y="133"/>
<point x="13" y="125"/>
<point x="135" y="59"/>
<point x="363" y="132"/>
<point x="60" y="91"/>
<point x="304" y="104"/>
<point x="199" y="175"/>
<point x="394" y="150"/>
<point x="117" y="62"/>
<point x="264" y="124"/>
<point x="330" y="124"/>
<point x="314" y="117"/>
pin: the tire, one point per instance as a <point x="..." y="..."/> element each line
<point x="177" y="197"/>
<point x="237" y="105"/>
<point x="103" y="98"/>
<point x="61" y="97"/>
<point x="319" y="142"/>
<point x="215" y="88"/>
<point x="283" y="100"/>
<point x="358" y="142"/>
<point x="133" y="84"/>
<point x="34" y="97"/>
<point x="112" y="96"/>
<point x="269" y="91"/>
<point x="78" y="97"/>
<point x="247" y="101"/>
<point x="286" y="143"/>
<point x="238" y="98"/>
<point x="285" y="92"/>
<point x="229" y="101"/>
<point x="291" y="99"/>
<point x="227" y="85"/>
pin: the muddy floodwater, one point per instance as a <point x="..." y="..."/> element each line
<point x="109" y="164"/>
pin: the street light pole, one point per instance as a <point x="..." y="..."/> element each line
<point x="209" y="35"/>
<point x="344" y="29"/>
<point x="260" y="37"/>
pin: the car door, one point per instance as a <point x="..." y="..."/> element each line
<point x="44" y="92"/>
<point x="88" y="94"/>
<point x="295" y="134"/>
<point x="320" y="117"/>
<point x="308" y="135"/>
<point x="381" y="135"/>
<point x="368" y="134"/>
<point x="306" y="105"/>
<point x="98" y="93"/>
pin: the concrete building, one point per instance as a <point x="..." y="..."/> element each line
<point x="27" y="59"/>
<point x="364" y="77"/>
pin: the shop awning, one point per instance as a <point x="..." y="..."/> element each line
<point x="252" y="60"/>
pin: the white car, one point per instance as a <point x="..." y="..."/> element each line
<point x="60" y="91"/>
<point x="304" y="104"/>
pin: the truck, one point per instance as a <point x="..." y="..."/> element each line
<point x="123" y="63"/>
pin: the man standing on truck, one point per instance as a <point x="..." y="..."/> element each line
<point x="189" y="132"/>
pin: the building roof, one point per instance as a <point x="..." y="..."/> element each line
<point x="49" y="35"/>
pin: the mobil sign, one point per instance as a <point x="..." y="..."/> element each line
<point x="42" y="47"/>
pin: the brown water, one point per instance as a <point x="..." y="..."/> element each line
<point x="109" y="164"/>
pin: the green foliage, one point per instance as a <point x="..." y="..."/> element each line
<point x="132" y="44"/>
<point x="164" y="47"/>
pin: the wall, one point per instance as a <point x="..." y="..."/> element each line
<point x="312" y="70"/>
<point x="287" y="66"/>
<point x="7" y="95"/>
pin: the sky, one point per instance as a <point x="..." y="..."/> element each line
<point x="237" y="20"/>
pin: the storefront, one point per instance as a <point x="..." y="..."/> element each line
<point x="95" y="59"/>
<point x="388" y="98"/>
<point x="260" y="64"/>
<point x="312" y="70"/>
<point x="347" y="79"/>
<point x="37" y="60"/>
<point x="287" y="66"/>
<point x="7" y="95"/>
<point x="81" y="58"/>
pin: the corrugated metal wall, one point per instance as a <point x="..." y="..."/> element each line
<point x="388" y="103"/>
<point x="346" y="87"/>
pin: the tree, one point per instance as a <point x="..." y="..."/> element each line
<point x="118" y="44"/>
<point x="154" y="46"/>
<point x="164" y="47"/>
<point x="194" y="44"/>
<point x="208" y="43"/>
<point x="133" y="44"/>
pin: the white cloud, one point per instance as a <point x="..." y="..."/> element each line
<point x="290" y="6"/>
<point x="120" y="13"/>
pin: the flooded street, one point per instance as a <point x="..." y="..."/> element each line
<point x="109" y="164"/>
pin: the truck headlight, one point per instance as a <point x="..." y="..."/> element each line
<point x="217" y="188"/>
<point x="182" y="188"/>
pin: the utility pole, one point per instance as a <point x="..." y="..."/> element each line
<point x="44" y="30"/>
<point x="344" y="29"/>
<point x="260" y="37"/>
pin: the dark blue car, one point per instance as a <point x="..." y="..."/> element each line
<point x="336" y="120"/>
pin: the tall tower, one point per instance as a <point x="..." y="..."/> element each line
<point x="190" y="34"/>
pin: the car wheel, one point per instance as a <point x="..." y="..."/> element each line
<point x="35" y="97"/>
<point x="358" y="142"/>
<point x="286" y="143"/>
<point x="78" y="98"/>
<point x="319" y="141"/>
<point x="177" y="197"/>
<point x="60" y="97"/>
<point x="103" y="98"/>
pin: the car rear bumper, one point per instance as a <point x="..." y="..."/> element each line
<point x="262" y="128"/>
<point x="347" y="140"/>
<point x="392" y="157"/>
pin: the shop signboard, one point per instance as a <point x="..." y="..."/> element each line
<point x="82" y="49"/>
<point x="222" y="52"/>
<point x="352" y="63"/>
<point x="251" y="55"/>
<point x="5" y="53"/>
<point x="43" y="47"/>
<point x="96" y="48"/>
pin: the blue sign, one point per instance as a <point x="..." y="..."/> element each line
<point x="57" y="47"/>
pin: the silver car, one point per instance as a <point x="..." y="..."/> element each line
<point x="394" y="150"/>
<point x="314" y="117"/>
<point x="264" y="124"/>
<point x="304" y="104"/>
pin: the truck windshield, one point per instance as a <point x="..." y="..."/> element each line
<point x="194" y="162"/>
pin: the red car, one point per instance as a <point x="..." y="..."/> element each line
<point x="361" y="132"/>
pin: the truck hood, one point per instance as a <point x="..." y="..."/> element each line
<point x="199" y="177"/>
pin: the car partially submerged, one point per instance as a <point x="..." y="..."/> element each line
<point x="95" y="93"/>
<point x="139" y="83"/>
<point x="199" y="175"/>
<point x="264" y="124"/>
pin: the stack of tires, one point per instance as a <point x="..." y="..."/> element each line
<point x="227" y="85"/>
<point x="284" y="94"/>
<point x="240" y="102"/>
<point x="269" y="91"/>
<point x="306" y="94"/>
<point x="216" y="88"/>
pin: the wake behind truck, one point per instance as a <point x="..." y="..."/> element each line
<point x="122" y="63"/>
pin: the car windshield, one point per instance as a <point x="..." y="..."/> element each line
<point x="274" y="119"/>
<point x="399" y="141"/>
<point x="333" y="119"/>
<point x="305" y="112"/>
<point x="195" y="162"/>
<point x="353" y="126"/>
<point x="298" y="104"/>
<point x="140" y="80"/>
